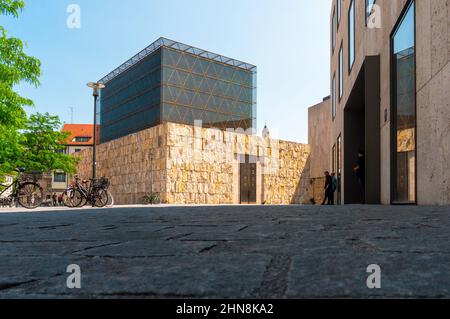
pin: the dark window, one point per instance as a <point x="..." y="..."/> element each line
<point x="404" y="108"/>
<point x="59" y="177"/>
<point x="351" y="35"/>
<point x="81" y="139"/>
<point x="341" y="62"/>
<point x="333" y="159"/>
<point x="333" y="97"/>
<point x="339" y="168"/>
<point x="77" y="150"/>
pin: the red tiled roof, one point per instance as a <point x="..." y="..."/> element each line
<point x="81" y="130"/>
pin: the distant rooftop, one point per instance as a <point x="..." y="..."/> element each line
<point x="163" y="42"/>
<point x="80" y="134"/>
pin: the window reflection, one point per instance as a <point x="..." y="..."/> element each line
<point x="404" y="98"/>
<point x="351" y="29"/>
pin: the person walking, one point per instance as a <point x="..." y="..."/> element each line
<point x="54" y="200"/>
<point x="327" y="188"/>
<point x="360" y="172"/>
<point x="333" y="188"/>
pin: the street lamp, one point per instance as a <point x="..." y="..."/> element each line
<point x="96" y="87"/>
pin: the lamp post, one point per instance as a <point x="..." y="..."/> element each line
<point x="96" y="87"/>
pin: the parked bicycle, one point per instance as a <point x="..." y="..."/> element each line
<point x="82" y="192"/>
<point x="25" y="190"/>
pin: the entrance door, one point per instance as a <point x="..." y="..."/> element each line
<point x="248" y="181"/>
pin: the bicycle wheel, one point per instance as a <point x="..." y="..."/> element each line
<point x="30" y="195"/>
<point x="71" y="198"/>
<point x="81" y="198"/>
<point x="101" y="198"/>
<point x="110" y="199"/>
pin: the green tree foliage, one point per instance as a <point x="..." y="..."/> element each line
<point x="24" y="142"/>
<point x="15" y="67"/>
<point x="44" y="145"/>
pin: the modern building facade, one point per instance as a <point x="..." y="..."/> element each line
<point x="180" y="122"/>
<point x="390" y="98"/>
<point x="173" y="82"/>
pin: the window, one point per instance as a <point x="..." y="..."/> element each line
<point x="351" y="35"/>
<point x="77" y="150"/>
<point x="333" y="159"/>
<point x="338" y="11"/>
<point x="333" y="97"/>
<point x="59" y="177"/>
<point x="369" y="5"/>
<point x="403" y="72"/>
<point x="339" y="168"/>
<point x="341" y="62"/>
<point x="81" y="139"/>
<point x="333" y="31"/>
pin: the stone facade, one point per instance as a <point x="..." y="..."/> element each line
<point x="432" y="19"/>
<point x="319" y="129"/>
<point x="135" y="164"/>
<point x="193" y="165"/>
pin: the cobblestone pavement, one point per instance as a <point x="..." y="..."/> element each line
<point x="226" y="252"/>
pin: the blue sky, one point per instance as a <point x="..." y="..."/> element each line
<point x="287" y="39"/>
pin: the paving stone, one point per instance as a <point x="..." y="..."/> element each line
<point x="223" y="276"/>
<point x="343" y="276"/>
<point x="226" y="251"/>
<point x="21" y="271"/>
<point x="46" y="248"/>
<point x="145" y="248"/>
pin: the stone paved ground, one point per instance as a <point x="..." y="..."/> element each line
<point x="228" y="252"/>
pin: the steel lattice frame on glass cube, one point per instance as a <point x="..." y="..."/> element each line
<point x="173" y="82"/>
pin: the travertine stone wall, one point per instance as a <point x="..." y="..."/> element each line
<point x="193" y="165"/>
<point x="283" y="180"/>
<point x="203" y="166"/>
<point x="131" y="163"/>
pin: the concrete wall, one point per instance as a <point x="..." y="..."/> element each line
<point x="193" y="165"/>
<point x="433" y="90"/>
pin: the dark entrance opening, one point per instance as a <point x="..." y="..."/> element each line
<point x="247" y="173"/>
<point x="362" y="133"/>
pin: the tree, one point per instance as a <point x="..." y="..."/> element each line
<point x="43" y="145"/>
<point x="25" y="142"/>
<point x="15" y="67"/>
<point x="38" y="146"/>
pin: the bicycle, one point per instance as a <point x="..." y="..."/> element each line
<point x="69" y="199"/>
<point x="25" y="190"/>
<point x="79" y="193"/>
